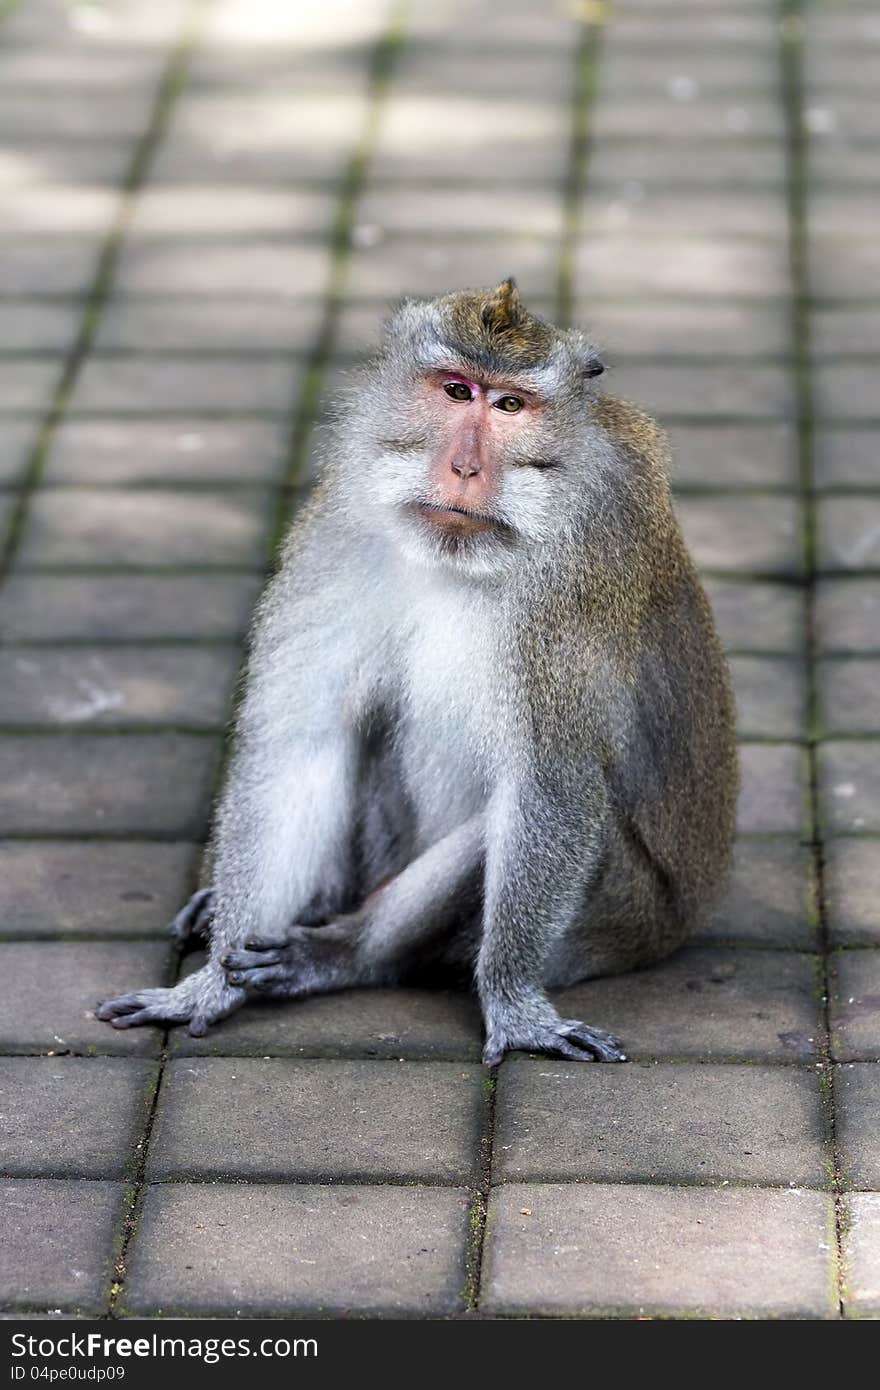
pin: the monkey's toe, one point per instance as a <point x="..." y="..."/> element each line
<point x="567" y="1038"/>
<point x="132" y="1010"/>
<point x="590" y="1043"/>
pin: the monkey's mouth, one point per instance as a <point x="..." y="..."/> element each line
<point x="449" y="517"/>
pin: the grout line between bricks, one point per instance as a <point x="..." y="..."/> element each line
<point x="584" y="99"/>
<point x="791" y="28"/>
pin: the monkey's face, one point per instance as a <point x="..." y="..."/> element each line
<point x="467" y="477"/>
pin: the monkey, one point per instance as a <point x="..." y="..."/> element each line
<point x="487" y="728"/>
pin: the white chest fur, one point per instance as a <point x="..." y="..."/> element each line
<point x="450" y="719"/>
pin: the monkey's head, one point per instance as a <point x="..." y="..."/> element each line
<point x="470" y="412"/>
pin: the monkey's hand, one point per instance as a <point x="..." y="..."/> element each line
<point x="562" y="1037"/>
<point x="199" y="1000"/>
<point x="308" y="960"/>
<point x="192" y="924"/>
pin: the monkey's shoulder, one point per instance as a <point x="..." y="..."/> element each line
<point x="633" y="430"/>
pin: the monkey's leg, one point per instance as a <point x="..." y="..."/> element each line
<point x="544" y="845"/>
<point x="434" y="899"/>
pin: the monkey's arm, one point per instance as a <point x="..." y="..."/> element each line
<point x="543" y="848"/>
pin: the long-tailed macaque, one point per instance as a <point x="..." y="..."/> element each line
<point x="487" y="726"/>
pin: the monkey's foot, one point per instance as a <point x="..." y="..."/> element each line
<point x="200" y="1000"/>
<point x="308" y="960"/>
<point x="193" y="922"/>
<point x="566" y="1038"/>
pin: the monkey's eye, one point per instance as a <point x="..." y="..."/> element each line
<point x="458" y="391"/>
<point x="509" y="404"/>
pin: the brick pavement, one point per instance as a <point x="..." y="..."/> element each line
<point x="204" y="208"/>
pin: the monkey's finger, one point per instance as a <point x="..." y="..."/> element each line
<point x="245" y="960"/>
<point x="194" y="916"/>
<point x="266" y="945"/>
<point x="257" y="979"/>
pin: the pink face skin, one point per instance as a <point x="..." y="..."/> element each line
<point x="474" y="423"/>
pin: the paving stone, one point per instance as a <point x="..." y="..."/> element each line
<point x="773" y="795"/>
<point x="709" y="1003"/>
<point x="27" y="162"/>
<point x="743" y="534"/>
<point x="49" y="990"/>
<point x="45" y="20"/>
<point x="54" y="63"/>
<point x="770" y="896"/>
<point x="88" y="686"/>
<point x="126" y="528"/>
<point x="524" y="27"/>
<point x="29" y="384"/>
<point x="855" y="1005"/>
<point x="847" y="457"/>
<point x="395" y="1023"/>
<point x="638" y="210"/>
<point x="709" y="68"/>
<point x="692" y="329"/>
<point x="198" y="267"/>
<point x="47" y="265"/>
<point x="76" y="1222"/>
<point x="847" y="615"/>
<point x="420" y="266"/>
<point x="306" y="32"/>
<point x="95" y="887"/>
<point x="637" y="114"/>
<point x="156" y="386"/>
<point x="72" y="1116"/>
<point x="167" y="451"/>
<point x="771" y="696"/>
<point x="389" y="1121"/>
<point x="705" y="164"/>
<point x="515" y="140"/>
<point x="298" y="1249"/>
<point x="861" y="1254"/>
<point x="856" y="1101"/>
<point x="31" y="326"/>
<point x="660" y="25"/>
<point x="686" y="265"/>
<point x="573" y="1249"/>
<point x="227" y="211"/>
<point x="836" y="333"/>
<point x="835" y="162"/>
<point x="846" y="390"/>
<point x="849" y="696"/>
<point x="669" y="1122"/>
<point x="42" y="208"/>
<point x="433" y="208"/>
<point x="849" y="786"/>
<point x="108" y="784"/>
<point x="17" y="439"/>
<point x="211" y="325"/>
<point x="729" y="456"/>
<point x="126" y="608"/>
<point x="847" y="270"/>
<point x="849" y="533"/>
<point x="753" y="616"/>
<point x="705" y="391"/>
<point x="271" y="139"/>
<point x="72" y="114"/>
<point x="852" y="890"/>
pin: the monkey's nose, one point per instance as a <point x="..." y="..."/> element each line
<point x="465" y="468"/>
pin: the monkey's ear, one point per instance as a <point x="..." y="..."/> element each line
<point x="595" y="367"/>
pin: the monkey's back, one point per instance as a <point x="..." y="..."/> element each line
<point x="648" y="686"/>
